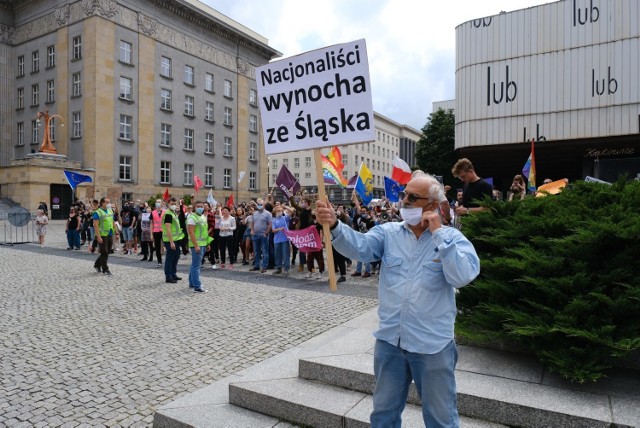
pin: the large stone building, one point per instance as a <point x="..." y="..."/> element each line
<point x="392" y="139"/>
<point x="564" y="74"/>
<point x="152" y="93"/>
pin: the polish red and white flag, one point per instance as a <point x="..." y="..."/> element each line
<point x="401" y="172"/>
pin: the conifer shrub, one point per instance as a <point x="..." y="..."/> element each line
<point x="560" y="277"/>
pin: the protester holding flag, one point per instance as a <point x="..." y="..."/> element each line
<point x="423" y="265"/>
<point x="474" y="189"/>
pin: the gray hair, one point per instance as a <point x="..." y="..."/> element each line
<point x="435" y="190"/>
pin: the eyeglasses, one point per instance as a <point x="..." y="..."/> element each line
<point x="411" y="197"/>
<point x="463" y="175"/>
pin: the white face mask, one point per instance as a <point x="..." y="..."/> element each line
<point x="109" y="206"/>
<point x="413" y="216"/>
<point x="174" y="207"/>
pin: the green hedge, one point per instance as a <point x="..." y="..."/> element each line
<point x="560" y="277"/>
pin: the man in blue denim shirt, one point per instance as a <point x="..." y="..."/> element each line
<point x="422" y="265"/>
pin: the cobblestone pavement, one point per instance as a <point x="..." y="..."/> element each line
<point x="81" y="349"/>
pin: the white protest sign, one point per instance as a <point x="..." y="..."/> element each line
<point x="317" y="99"/>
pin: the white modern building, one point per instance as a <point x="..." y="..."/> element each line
<point x="564" y="74"/>
<point x="392" y="139"/>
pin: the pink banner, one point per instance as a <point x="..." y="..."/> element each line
<point x="307" y="240"/>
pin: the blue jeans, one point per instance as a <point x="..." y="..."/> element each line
<point x="194" y="271"/>
<point x="435" y="381"/>
<point x="171" y="260"/>
<point x="282" y="253"/>
<point x="260" y="250"/>
<point x="73" y="238"/>
<point x="367" y="267"/>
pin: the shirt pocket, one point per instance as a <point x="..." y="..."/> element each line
<point x="391" y="272"/>
<point x="433" y="276"/>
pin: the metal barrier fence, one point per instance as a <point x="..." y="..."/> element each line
<point x="17" y="226"/>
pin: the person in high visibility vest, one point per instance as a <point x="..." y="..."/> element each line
<point x="199" y="240"/>
<point x="104" y="228"/>
<point x="171" y="236"/>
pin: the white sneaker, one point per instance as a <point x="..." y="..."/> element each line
<point x="214" y="267"/>
<point x="319" y="275"/>
<point x="309" y="275"/>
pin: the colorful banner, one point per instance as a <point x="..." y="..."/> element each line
<point x="330" y="170"/>
<point x="306" y="240"/>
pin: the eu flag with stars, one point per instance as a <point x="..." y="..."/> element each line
<point x="75" y="178"/>
<point x="392" y="189"/>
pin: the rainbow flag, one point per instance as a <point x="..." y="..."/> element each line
<point x="330" y="170"/>
<point x="336" y="158"/>
<point x="529" y="169"/>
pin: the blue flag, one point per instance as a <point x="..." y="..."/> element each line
<point x="75" y="178"/>
<point x="392" y="189"/>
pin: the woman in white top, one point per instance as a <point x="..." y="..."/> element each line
<point x="227" y="226"/>
<point x="41" y="226"/>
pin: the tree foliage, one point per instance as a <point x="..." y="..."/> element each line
<point x="435" y="150"/>
<point x="559" y="277"/>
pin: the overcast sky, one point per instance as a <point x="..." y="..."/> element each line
<point x="410" y="43"/>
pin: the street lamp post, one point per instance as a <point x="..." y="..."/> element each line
<point x="46" y="146"/>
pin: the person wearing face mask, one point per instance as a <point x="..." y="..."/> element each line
<point x="423" y="263"/>
<point x="146" y="237"/>
<point x="156" y="227"/>
<point x="304" y="221"/>
<point x="227" y="227"/>
<point x="171" y="236"/>
<point x="260" y="228"/>
<point x="73" y="230"/>
<point x="199" y="239"/>
<point x="103" y="223"/>
<point x="280" y="241"/>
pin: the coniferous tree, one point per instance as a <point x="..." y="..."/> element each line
<point x="435" y="150"/>
<point x="559" y="277"/>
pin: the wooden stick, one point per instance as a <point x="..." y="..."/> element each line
<point x="325" y="228"/>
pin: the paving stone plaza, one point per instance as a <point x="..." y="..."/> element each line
<point x="81" y="349"/>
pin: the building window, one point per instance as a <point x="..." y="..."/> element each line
<point x="227" y="88"/>
<point x="227" y="116"/>
<point x="165" y="172"/>
<point x="125" y="88"/>
<point x="208" y="143"/>
<point x="307" y="175"/>
<point x="188" y="105"/>
<point x="51" y="91"/>
<point x="296" y="162"/>
<point x="227" y="146"/>
<point x="20" y="129"/>
<point x="307" y="162"/>
<point x="253" y="123"/>
<point x="253" y="97"/>
<point x="125" y="168"/>
<point x="165" y="66"/>
<point x="296" y="175"/>
<point x="188" y="75"/>
<point x="345" y="159"/>
<point x="76" y="126"/>
<point x="252" y="180"/>
<point x="125" y="127"/>
<point x="208" y="111"/>
<point x="344" y="174"/>
<point x="208" y="176"/>
<point x="356" y="162"/>
<point x="253" y="150"/>
<point x="34" y="132"/>
<point x="125" y="52"/>
<point x="77" y="85"/>
<point x="35" y="61"/>
<point x="274" y="164"/>
<point x="35" y="95"/>
<point x="52" y="130"/>
<point x="165" y="135"/>
<point x="21" y="66"/>
<point x="77" y="47"/>
<point x="208" y="82"/>
<point x="20" y="98"/>
<point x="227" y="178"/>
<point x="51" y="56"/>
<point x="165" y="96"/>
<point x="188" y="174"/>
<point x="285" y="162"/>
<point x="188" y="139"/>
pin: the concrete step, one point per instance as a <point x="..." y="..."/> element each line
<point x="316" y="404"/>
<point x="486" y="397"/>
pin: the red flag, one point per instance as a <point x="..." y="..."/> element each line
<point x="401" y="172"/>
<point x="197" y="183"/>
<point x="230" y="201"/>
<point x="166" y="195"/>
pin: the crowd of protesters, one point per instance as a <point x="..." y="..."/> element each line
<point x="250" y="233"/>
